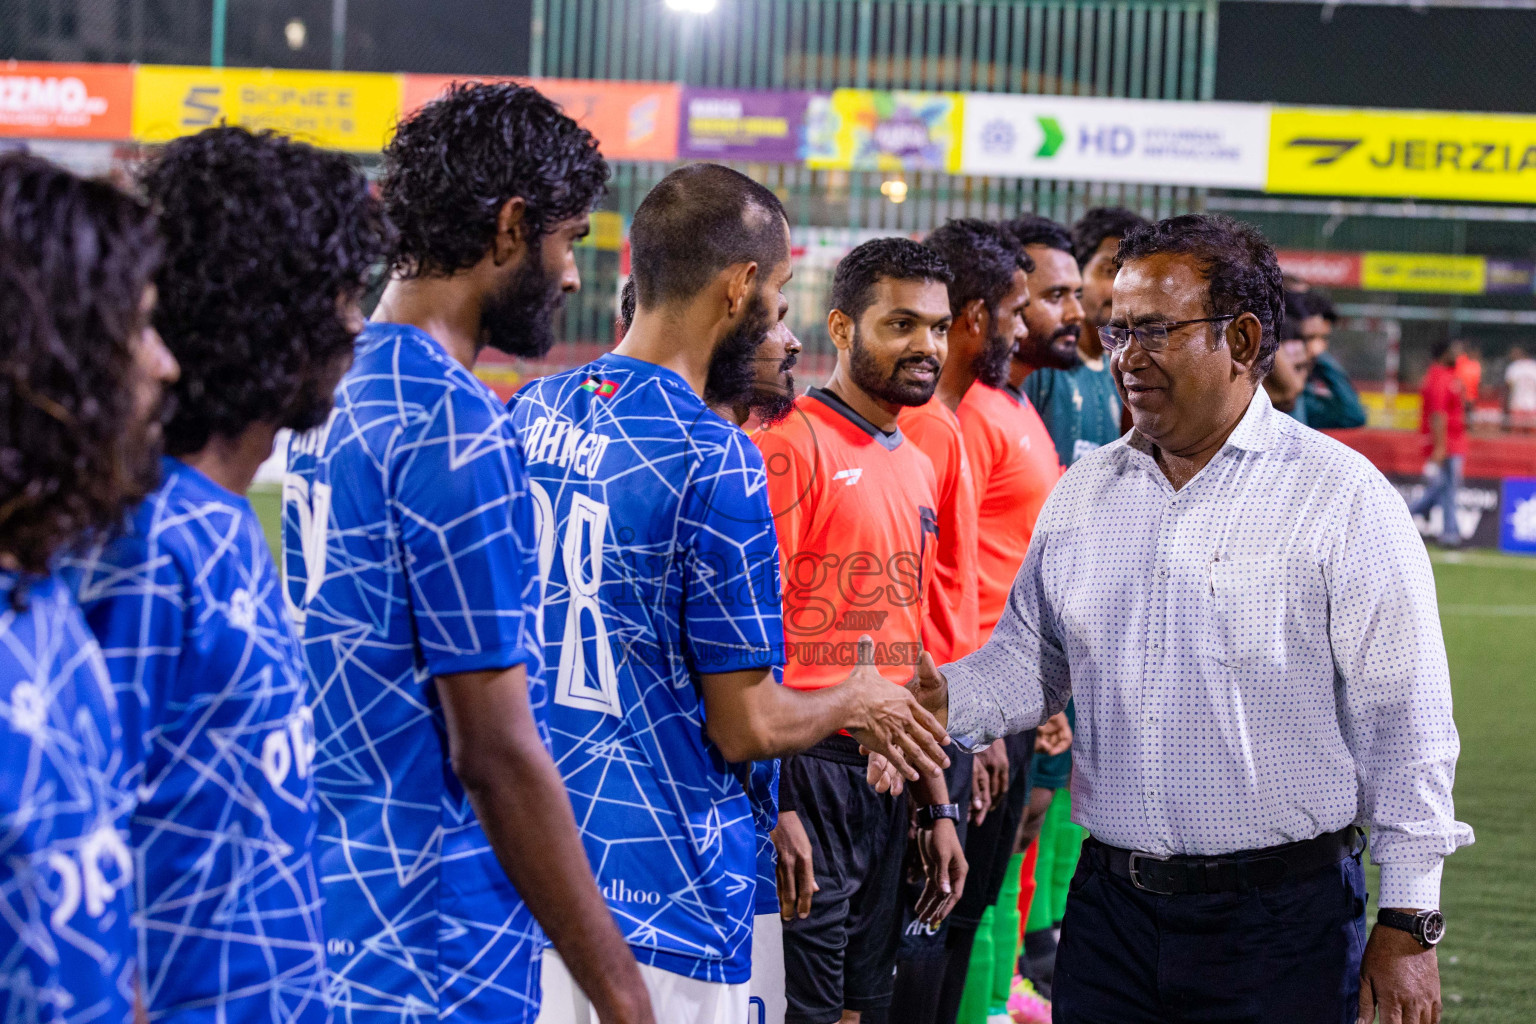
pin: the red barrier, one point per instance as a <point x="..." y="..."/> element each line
<point x="1401" y="452"/>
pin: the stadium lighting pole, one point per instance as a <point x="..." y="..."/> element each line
<point x="338" y="34"/>
<point x="216" y="42"/>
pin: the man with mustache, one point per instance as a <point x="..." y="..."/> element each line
<point x="82" y="375"/>
<point x="1247" y="614"/>
<point x="446" y="839"/>
<point x="661" y="598"/>
<point x="269" y="245"/>
<point x="854" y="506"/>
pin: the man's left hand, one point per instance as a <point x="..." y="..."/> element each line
<point x="944" y="866"/>
<point x="1399" y="979"/>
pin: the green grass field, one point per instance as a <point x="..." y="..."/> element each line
<point x="1488" y="608"/>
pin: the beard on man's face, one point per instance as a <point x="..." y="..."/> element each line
<point x="1056" y="352"/>
<point x="771" y="402"/>
<point x="146" y="445"/>
<point x="992" y="363"/>
<point x="732" y="376"/>
<point x="888" y="384"/>
<point x="520" y="319"/>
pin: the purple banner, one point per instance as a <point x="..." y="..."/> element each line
<point x="1510" y="277"/>
<point x="734" y="124"/>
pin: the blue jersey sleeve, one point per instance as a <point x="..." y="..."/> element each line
<point x="460" y="500"/>
<point x="731" y="609"/>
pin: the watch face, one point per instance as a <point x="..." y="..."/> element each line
<point x="1434" y="927"/>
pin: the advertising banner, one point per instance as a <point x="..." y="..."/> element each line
<point x="1511" y="277"/>
<point x="730" y="124"/>
<point x="631" y="120"/>
<point x="1421" y="154"/>
<point x="1324" y="269"/>
<point x="1477" y="510"/>
<point x="66" y="101"/>
<point x="337" y="110"/>
<point x="872" y="130"/>
<point x="1089" y="139"/>
<point x="1423" y="272"/>
<point x="1517" y="521"/>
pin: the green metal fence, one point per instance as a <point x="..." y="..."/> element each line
<point x="1131" y="48"/>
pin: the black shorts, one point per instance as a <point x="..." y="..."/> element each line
<point x="989" y="846"/>
<point x="843" y="955"/>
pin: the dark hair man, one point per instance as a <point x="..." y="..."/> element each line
<point x="269" y="244"/>
<point x="1286" y="381"/>
<point x="855" y="513"/>
<point x="413" y="565"/>
<point x="1329" y="401"/>
<point x="661" y="602"/>
<point x="1443" y="422"/>
<point x="1244" y="576"/>
<point x="82" y="372"/>
<point x="1095" y="240"/>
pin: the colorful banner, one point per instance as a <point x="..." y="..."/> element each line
<point x="1423" y="272"/>
<point x="630" y="120"/>
<point x="337" y="110"/>
<point x="1224" y="145"/>
<point x="1324" y="269"/>
<point x="66" y="101"/>
<point x="1517" y="518"/>
<point x="1420" y="154"/>
<point x="731" y="124"/>
<point x="869" y="130"/>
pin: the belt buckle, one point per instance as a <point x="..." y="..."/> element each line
<point x="1135" y="872"/>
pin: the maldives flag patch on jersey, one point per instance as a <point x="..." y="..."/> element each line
<point x="601" y="388"/>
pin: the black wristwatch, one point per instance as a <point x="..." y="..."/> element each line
<point x="929" y="816"/>
<point x="1427" y="926"/>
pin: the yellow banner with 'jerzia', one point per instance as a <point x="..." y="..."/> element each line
<point x="1414" y="154"/>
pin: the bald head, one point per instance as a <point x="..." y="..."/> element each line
<point x="696" y="222"/>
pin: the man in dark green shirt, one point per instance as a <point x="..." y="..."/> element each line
<point x="1068" y="382"/>
<point x="1329" y="400"/>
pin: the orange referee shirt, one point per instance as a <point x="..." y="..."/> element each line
<point x="855" y="513"/>
<point x="950" y="627"/>
<point x="1014" y="465"/>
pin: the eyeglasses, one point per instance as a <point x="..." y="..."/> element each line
<point x="1152" y="337"/>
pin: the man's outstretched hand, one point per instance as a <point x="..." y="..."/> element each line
<point x="930" y="688"/>
<point x="887" y="720"/>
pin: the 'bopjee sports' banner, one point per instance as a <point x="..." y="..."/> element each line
<point x="630" y="120"/>
<point x="747" y="125"/>
<point x="1142" y="141"/>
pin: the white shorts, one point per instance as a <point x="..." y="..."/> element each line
<point x="674" y="998"/>
<point x="766" y="989"/>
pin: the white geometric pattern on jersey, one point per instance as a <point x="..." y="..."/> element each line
<point x="411" y="507"/>
<point x="666" y="525"/>
<point x="66" y="942"/>
<point x="216" y="701"/>
<point x="1256" y="657"/>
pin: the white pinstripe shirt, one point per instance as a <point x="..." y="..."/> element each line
<point x="1257" y="657"/>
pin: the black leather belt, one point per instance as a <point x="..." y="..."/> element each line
<point x="1236" y="872"/>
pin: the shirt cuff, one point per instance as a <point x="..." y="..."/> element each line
<point x="1414" y="884"/>
<point x="965" y="709"/>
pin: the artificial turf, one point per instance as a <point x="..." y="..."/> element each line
<point x="1488" y="611"/>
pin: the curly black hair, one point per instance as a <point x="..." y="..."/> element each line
<point x="455" y="163"/>
<point x="1029" y="229"/>
<point x="626" y="305"/>
<point x="982" y="256"/>
<point x="900" y="259"/>
<point x="265" y="238"/>
<point x="1100" y="223"/>
<point x="75" y="259"/>
<point x="1236" y="260"/>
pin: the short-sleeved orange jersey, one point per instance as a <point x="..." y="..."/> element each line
<point x="950" y="628"/>
<point x="1014" y="465"/>
<point x="855" y="511"/>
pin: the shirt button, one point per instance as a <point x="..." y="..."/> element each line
<point x="1162" y="573"/>
<point x="1151" y="719"/>
<point x="1154" y="646"/>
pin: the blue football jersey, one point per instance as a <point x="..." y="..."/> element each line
<point x="66" y="940"/>
<point x="215" y="700"/>
<point x="409" y="553"/>
<point x="660" y="565"/>
<point x="763" y="792"/>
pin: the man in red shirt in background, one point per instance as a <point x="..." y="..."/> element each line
<point x="855" y="509"/>
<point x="1444" y="426"/>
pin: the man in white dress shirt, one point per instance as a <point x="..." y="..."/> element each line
<point x="1246" y="616"/>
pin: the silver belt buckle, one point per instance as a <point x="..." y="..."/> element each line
<point x="1135" y="871"/>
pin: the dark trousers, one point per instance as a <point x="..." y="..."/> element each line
<point x="1286" y="954"/>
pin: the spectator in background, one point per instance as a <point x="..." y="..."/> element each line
<point x="1520" y="389"/>
<point x="1329" y="401"/>
<point x="1095" y="240"/>
<point x="1287" y="378"/>
<point x="1469" y="371"/>
<point x="1444" y="426"/>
